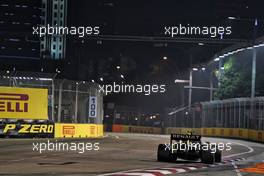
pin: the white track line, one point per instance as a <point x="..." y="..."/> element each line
<point x="165" y="172"/>
<point x="172" y="170"/>
<point x="139" y="174"/>
<point x="192" y="168"/>
<point x="178" y="170"/>
<point x="236" y="169"/>
<point x="242" y="153"/>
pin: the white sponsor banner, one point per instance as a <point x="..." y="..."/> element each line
<point x="93" y="106"/>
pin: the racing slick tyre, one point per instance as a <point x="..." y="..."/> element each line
<point x="218" y="156"/>
<point x="207" y="157"/>
<point x="164" y="154"/>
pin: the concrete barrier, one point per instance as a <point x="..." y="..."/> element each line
<point x="252" y="135"/>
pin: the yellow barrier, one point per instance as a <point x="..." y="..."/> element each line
<point x="125" y="128"/>
<point x="146" y="130"/>
<point x="23" y="103"/>
<point x="70" y="130"/>
<point x="136" y="129"/>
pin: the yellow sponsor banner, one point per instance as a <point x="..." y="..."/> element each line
<point x="71" y="130"/>
<point x="23" y="103"/>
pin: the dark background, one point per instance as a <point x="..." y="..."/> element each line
<point x="141" y="62"/>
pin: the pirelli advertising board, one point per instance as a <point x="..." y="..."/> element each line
<point x="28" y="130"/>
<point x="23" y="103"/>
<point x="64" y="130"/>
<point x="48" y="129"/>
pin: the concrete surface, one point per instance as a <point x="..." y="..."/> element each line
<point x="118" y="153"/>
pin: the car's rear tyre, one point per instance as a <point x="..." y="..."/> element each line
<point x="164" y="154"/>
<point x="218" y="156"/>
<point x="208" y="157"/>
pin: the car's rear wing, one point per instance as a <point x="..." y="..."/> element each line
<point x="185" y="137"/>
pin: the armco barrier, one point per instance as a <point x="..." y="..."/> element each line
<point x="239" y="133"/>
<point x="70" y="130"/>
<point x="136" y="129"/>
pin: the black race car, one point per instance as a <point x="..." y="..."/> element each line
<point x="188" y="147"/>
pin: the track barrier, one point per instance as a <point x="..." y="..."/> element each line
<point x="238" y="133"/>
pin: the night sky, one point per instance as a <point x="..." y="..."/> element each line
<point x="91" y="58"/>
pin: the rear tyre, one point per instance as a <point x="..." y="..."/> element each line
<point x="218" y="156"/>
<point x="164" y="154"/>
<point x="208" y="157"/>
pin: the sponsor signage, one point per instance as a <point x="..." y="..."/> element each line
<point x="68" y="130"/>
<point x="23" y="103"/>
<point x="71" y="130"/>
<point x="93" y="106"/>
<point x="18" y="130"/>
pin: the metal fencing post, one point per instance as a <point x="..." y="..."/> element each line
<point x="52" y="100"/>
<point x="234" y="109"/>
<point x="53" y="97"/>
<point x="59" y="103"/>
<point x="76" y="103"/>
<point x="239" y="114"/>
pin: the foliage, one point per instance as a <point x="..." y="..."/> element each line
<point x="235" y="80"/>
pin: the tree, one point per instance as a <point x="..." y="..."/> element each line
<point x="235" y="80"/>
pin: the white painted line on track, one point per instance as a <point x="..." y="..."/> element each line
<point x="17" y="160"/>
<point x="192" y="168"/>
<point x="242" y="153"/>
<point x="139" y="174"/>
<point x="165" y="172"/>
<point x="134" y="173"/>
<point x="178" y="170"/>
<point x="172" y="170"/>
<point x="236" y="169"/>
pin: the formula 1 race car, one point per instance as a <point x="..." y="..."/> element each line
<point x="188" y="147"/>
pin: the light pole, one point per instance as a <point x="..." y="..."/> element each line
<point x="190" y="90"/>
<point x="76" y="101"/>
<point x="253" y="81"/>
<point x="254" y="58"/>
<point x="190" y="87"/>
<point x="180" y="81"/>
